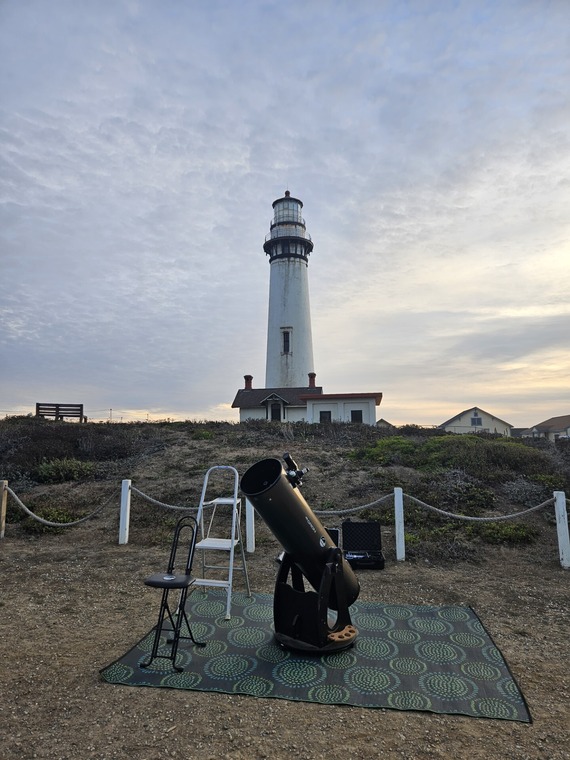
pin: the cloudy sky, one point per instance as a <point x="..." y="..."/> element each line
<point x="142" y="143"/>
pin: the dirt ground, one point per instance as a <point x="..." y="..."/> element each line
<point x="72" y="603"/>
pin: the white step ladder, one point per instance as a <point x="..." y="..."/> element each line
<point x="217" y="536"/>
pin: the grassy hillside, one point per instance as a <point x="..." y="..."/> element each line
<point x="62" y="470"/>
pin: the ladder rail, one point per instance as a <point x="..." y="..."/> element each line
<point x="208" y="543"/>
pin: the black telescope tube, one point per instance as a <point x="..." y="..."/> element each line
<point x="293" y="523"/>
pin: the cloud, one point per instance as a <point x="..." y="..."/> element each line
<point x="143" y="144"/>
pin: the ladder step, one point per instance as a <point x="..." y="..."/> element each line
<point x="221" y="544"/>
<point x="211" y="582"/>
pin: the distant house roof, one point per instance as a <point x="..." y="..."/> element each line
<point x="248" y="398"/>
<point x="553" y="425"/>
<point x="384" y="423"/>
<point x="468" y="411"/>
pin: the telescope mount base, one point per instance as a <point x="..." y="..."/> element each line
<point x="302" y="618"/>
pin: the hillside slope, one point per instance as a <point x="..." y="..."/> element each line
<point x="61" y="470"/>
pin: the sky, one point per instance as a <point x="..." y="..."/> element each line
<point x="142" y="143"/>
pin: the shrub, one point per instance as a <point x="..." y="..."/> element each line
<point x="395" y="450"/>
<point x="454" y="491"/>
<point x="25" y="441"/>
<point x="510" y="533"/>
<point x="202" y="435"/>
<point x="523" y="491"/>
<point x="62" y="470"/>
<point x="490" y="459"/>
<point x="417" y="430"/>
<point x="51" y="514"/>
<point x="457" y="452"/>
<point x="515" y="456"/>
<point x="551" y="483"/>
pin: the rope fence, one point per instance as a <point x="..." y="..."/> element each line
<point x="50" y="523"/>
<point x="6" y="490"/>
<point x="558" y="500"/>
<point x="352" y="510"/>
<point x="160" y="503"/>
<point x="496" y="518"/>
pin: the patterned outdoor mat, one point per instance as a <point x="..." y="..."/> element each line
<point x="406" y="657"/>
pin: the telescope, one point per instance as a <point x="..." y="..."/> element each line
<point x="314" y="619"/>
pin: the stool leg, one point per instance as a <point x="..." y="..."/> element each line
<point x="177" y="627"/>
<point x="181" y="617"/>
<point x="164" y="609"/>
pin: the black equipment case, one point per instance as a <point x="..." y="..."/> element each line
<point x="362" y="544"/>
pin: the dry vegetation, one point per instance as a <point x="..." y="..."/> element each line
<point x="73" y="601"/>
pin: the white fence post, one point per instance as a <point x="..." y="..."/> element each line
<point x="125" y="512"/>
<point x="3" y="506"/>
<point x="562" y="528"/>
<point x="399" y="524"/>
<point x="249" y="527"/>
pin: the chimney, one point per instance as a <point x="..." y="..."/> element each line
<point x="312" y="377"/>
<point x="248" y="380"/>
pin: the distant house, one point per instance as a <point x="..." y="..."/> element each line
<point x="307" y="404"/>
<point x="477" y="420"/>
<point x="553" y="429"/>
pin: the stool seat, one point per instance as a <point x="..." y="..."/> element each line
<point x="169" y="580"/>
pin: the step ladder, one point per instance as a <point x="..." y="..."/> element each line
<point x="220" y="531"/>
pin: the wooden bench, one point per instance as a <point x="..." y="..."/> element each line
<point x="59" y="411"/>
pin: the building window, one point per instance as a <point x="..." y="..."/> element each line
<point x="356" y="415"/>
<point x="476" y="421"/>
<point x="286" y="342"/>
<point x="325" y="416"/>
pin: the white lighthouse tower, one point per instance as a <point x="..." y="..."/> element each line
<point x="289" y="339"/>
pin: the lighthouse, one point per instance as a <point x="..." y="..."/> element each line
<point x="289" y="359"/>
<point x="291" y="393"/>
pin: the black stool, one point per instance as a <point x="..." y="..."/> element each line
<point x="170" y="581"/>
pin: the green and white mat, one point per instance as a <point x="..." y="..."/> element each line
<point x="406" y="657"/>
